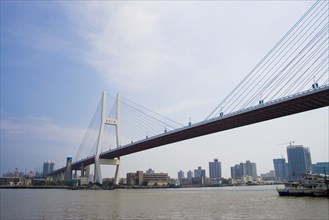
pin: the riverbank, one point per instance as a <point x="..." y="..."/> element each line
<point x="89" y="187"/>
<point x="34" y="187"/>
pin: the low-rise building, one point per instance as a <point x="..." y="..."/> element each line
<point x="185" y="181"/>
<point x="247" y="179"/>
<point x="9" y="180"/>
<point x="147" y="179"/>
<point x="198" y="181"/>
<point x="215" y="181"/>
<point x="84" y="181"/>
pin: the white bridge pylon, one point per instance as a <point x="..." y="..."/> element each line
<point x="111" y="122"/>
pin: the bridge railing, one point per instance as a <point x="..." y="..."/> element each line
<point x="275" y="101"/>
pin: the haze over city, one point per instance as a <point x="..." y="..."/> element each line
<point x="179" y="59"/>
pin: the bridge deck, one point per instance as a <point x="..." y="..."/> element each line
<point x="306" y="101"/>
<point x="286" y="106"/>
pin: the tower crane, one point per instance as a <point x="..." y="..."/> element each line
<point x="290" y="142"/>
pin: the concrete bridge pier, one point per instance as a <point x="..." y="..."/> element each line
<point x="82" y="170"/>
<point x="75" y="175"/>
<point x="68" y="171"/>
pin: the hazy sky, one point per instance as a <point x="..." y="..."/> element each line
<point x="179" y="59"/>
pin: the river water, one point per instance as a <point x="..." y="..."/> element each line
<point x="245" y="202"/>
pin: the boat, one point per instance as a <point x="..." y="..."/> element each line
<point x="309" y="185"/>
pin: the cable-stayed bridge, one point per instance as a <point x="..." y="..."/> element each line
<point x="293" y="77"/>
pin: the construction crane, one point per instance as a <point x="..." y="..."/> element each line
<point x="290" y="142"/>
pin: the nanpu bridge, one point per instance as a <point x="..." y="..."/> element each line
<point x="292" y="78"/>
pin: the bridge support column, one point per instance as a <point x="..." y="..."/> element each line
<point x="107" y="121"/>
<point x="116" y="177"/>
<point x="87" y="173"/>
<point x="82" y="170"/>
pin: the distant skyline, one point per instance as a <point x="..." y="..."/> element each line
<point x="179" y="59"/>
<point x="207" y="171"/>
<point x="149" y="169"/>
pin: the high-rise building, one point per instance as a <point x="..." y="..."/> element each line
<point x="236" y="172"/>
<point x="215" y="169"/>
<point x="48" y="167"/>
<point x="321" y="168"/>
<point x="244" y="169"/>
<point x="189" y="174"/>
<point x="280" y="169"/>
<point x="299" y="161"/>
<point x="181" y="175"/>
<point x="200" y="172"/>
<point x="251" y="169"/>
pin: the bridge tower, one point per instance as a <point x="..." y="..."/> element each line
<point x="112" y="122"/>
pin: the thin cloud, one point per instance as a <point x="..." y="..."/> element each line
<point x="39" y="128"/>
<point x="139" y="46"/>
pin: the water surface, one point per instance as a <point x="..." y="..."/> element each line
<point x="245" y="202"/>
